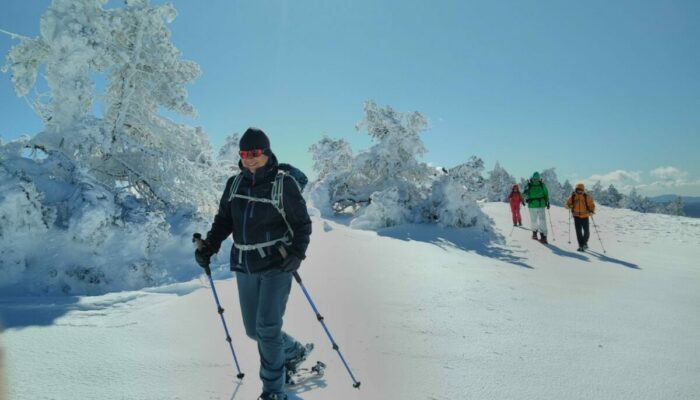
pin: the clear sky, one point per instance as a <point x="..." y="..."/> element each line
<point x="598" y="89"/>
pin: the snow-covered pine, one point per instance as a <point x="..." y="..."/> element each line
<point x="566" y="189"/>
<point x="557" y="195"/>
<point x="499" y="183"/>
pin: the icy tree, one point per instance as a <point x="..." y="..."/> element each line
<point x="567" y="189"/>
<point x="353" y="184"/>
<point x="73" y="42"/>
<point x="453" y="200"/>
<point x="610" y="197"/>
<point x="557" y="196"/>
<point x="133" y="147"/>
<point x="470" y="174"/>
<point x="596" y="191"/>
<point x="499" y="184"/>
<point x="112" y="198"/>
<point x="675" y="207"/>
<point x="227" y="160"/>
<point x="331" y="156"/>
<point x="636" y="202"/>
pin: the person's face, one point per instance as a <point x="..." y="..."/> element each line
<point x="253" y="159"/>
<point x="579" y="191"/>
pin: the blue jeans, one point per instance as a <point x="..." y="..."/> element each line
<point x="263" y="298"/>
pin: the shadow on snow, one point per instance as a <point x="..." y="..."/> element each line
<point x="484" y="244"/>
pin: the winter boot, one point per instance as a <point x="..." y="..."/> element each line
<point x="585" y="246"/>
<point x="580" y="248"/>
<point x="272" y="396"/>
<point x="534" y="235"/>
<point x="543" y="238"/>
<point x="292" y="365"/>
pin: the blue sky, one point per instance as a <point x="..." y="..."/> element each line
<point x="598" y="89"/>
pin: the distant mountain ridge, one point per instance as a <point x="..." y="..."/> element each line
<point x="666" y="198"/>
<point x="691" y="204"/>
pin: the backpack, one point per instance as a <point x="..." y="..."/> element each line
<point x="276" y="200"/>
<point x="585" y="200"/>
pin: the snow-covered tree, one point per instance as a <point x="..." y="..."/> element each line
<point x="566" y="189"/>
<point x="611" y="197"/>
<point x="388" y="184"/>
<point x="596" y="191"/>
<point x="675" y="207"/>
<point x="636" y="202"/>
<point x="470" y="174"/>
<point x="499" y="184"/>
<point x="133" y="147"/>
<point x="557" y="196"/>
<point x="331" y="156"/>
<point x="112" y="195"/>
<point x="453" y="202"/>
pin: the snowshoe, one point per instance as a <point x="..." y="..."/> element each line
<point x="580" y="249"/>
<point x="293" y="365"/>
<point x="543" y="239"/>
<point x="303" y="374"/>
<point x="585" y="247"/>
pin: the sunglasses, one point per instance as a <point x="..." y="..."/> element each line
<point x="251" y="153"/>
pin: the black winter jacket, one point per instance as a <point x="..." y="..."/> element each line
<point x="253" y="222"/>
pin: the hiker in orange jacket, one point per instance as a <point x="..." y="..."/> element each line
<point x="582" y="206"/>
<point x="516" y="199"/>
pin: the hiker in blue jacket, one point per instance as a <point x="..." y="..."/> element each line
<point x="262" y="207"/>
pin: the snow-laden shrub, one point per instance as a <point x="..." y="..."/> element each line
<point x="61" y="232"/>
<point x="387" y="184"/>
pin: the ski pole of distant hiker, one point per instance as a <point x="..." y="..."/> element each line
<point x="551" y="226"/>
<point x="571" y="212"/>
<point x="598" y="233"/>
<point x="355" y="382"/>
<point x="197" y="240"/>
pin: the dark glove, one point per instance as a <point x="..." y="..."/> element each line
<point x="291" y="263"/>
<point x="203" y="255"/>
<point x="524" y="203"/>
<point x="528" y="201"/>
<point x="548" y="205"/>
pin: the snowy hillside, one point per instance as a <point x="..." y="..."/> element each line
<point x="420" y="312"/>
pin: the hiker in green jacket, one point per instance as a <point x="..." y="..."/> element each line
<point x="537" y="198"/>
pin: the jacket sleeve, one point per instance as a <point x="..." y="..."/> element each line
<point x="569" y="202"/>
<point x="546" y="192"/>
<point x="591" y="204"/>
<point x="297" y="216"/>
<point x="222" y="226"/>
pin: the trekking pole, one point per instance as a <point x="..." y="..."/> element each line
<point x="571" y="212"/>
<point x="356" y="383"/>
<point x="551" y="226"/>
<point x="197" y="240"/>
<point x="511" y="231"/>
<point x="598" y="233"/>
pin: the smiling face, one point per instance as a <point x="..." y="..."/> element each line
<point x="253" y="163"/>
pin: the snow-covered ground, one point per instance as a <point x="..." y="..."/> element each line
<point x="420" y="312"/>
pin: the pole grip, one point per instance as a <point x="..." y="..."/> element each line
<point x="297" y="277"/>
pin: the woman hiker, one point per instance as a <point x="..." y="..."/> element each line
<point x="516" y="199"/>
<point x="271" y="231"/>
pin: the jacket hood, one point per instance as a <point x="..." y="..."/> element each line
<point x="536" y="175"/>
<point x="580" y="186"/>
